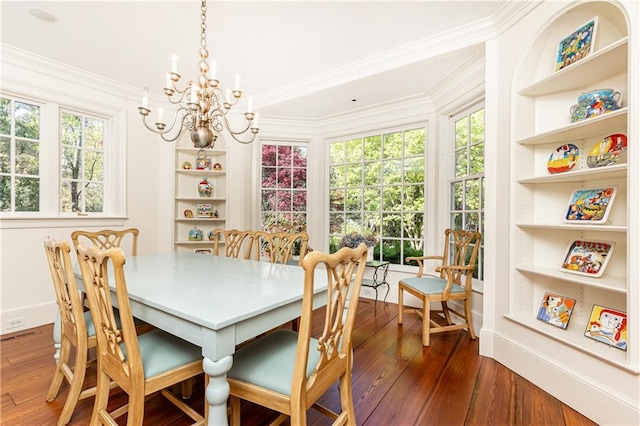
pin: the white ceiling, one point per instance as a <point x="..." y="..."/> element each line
<point x="300" y="59"/>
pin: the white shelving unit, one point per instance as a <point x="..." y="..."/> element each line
<point x="539" y="236"/>
<point x="187" y="197"/>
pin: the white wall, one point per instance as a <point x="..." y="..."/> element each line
<point x="25" y="281"/>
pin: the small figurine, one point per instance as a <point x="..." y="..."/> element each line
<point x="202" y="161"/>
<point x="195" y="234"/>
<point x="205" y="188"/>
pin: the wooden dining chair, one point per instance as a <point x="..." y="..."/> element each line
<point x="76" y="327"/>
<point x="107" y="238"/>
<point x="140" y="365"/>
<point x="236" y="243"/>
<point x="288" y="371"/>
<point x="453" y="282"/>
<point x="280" y="246"/>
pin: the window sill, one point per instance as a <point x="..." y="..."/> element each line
<point x="60" y="222"/>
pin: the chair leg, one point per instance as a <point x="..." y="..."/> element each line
<point x="58" y="375"/>
<point x="445" y="311"/>
<point x="136" y="408"/>
<point x="426" y="321"/>
<point x="346" y="398"/>
<point x="234" y="402"/>
<point x="400" y="305"/>
<point x="469" y="318"/>
<point x="101" y="398"/>
<point x="79" y="372"/>
<point x="187" y="388"/>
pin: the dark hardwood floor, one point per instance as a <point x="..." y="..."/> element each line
<point x="395" y="382"/>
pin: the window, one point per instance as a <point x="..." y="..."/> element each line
<point x="82" y="163"/>
<point x="52" y="161"/>
<point x="283" y="187"/>
<point x="467" y="186"/>
<point x="20" y="140"/>
<point x="377" y="186"/>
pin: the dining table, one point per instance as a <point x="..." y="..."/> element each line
<point x="216" y="303"/>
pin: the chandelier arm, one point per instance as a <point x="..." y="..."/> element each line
<point x="254" y="131"/>
<point x="162" y="134"/>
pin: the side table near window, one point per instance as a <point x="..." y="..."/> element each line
<point x="375" y="281"/>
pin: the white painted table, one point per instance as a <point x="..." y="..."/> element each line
<point x="216" y="303"/>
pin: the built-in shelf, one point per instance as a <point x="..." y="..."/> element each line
<point x="186" y="194"/>
<point x="605" y="282"/>
<point x="577" y="341"/>
<point x="201" y="172"/>
<point x="607" y="62"/>
<point x="609" y="172"/>
<point x="601" y="125"/>
<point x="200" y="199"/>
<point x="195" y="151"/>
<point x="573" y="227"/>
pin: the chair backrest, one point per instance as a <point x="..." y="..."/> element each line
<point x="234" y="241"/>
<point x="126" y="370"/>
<point x="279" y="246"/>
<point x="72" y="320"/>
<point x="460" y="250"/>
<point x="107" y="238"/>
<point x="334" y="344"/>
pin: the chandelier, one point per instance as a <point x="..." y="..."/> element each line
<point x="202" y="108"/>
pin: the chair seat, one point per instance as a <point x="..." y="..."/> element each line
<point x="91" y="329"/>
<point x="162" y="352"/>
<point x="430" y="285"/>
<point x="268" y="362"/>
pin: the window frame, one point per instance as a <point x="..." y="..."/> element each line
<point x="404" y="127"/>
<point x="290" y="143"/>
<point x="478" y="284"/>
<point x="115" y="164"/>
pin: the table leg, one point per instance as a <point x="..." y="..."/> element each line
<point x="217" y="392"/>
<point x="57" y="336"/>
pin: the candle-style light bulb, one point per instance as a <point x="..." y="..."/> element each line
<point x="168" y="86"/>
<point x="237" y="86"/>
<point x="194" y="93"/>
<point x="255" y="121"/>
<point x="250" y="104"/>
<point x="174" y="63"/>
<point x="145" y="97"/>
<point x="160" y="114"/>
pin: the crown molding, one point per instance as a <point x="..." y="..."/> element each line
<point x="464" y="36"/>
<point x="448" y="41"/>
<point x="463" y="88"/>
<point x="46" y="67"/>
<point x="511" y="12"/>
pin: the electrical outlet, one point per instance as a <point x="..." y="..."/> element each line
<point x="15" y="322"/>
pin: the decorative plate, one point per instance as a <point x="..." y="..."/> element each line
<point x="186" y="165"/>
<point x="587" y="257"/>
<point x="564" y="158"/>
<point x="590" y="205"/>
<point x="607" y="151"/>
<point x="188" y="214"/>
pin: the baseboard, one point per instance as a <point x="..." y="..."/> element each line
<point x="33" y="315"/>
<point x="577" y="392"/>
